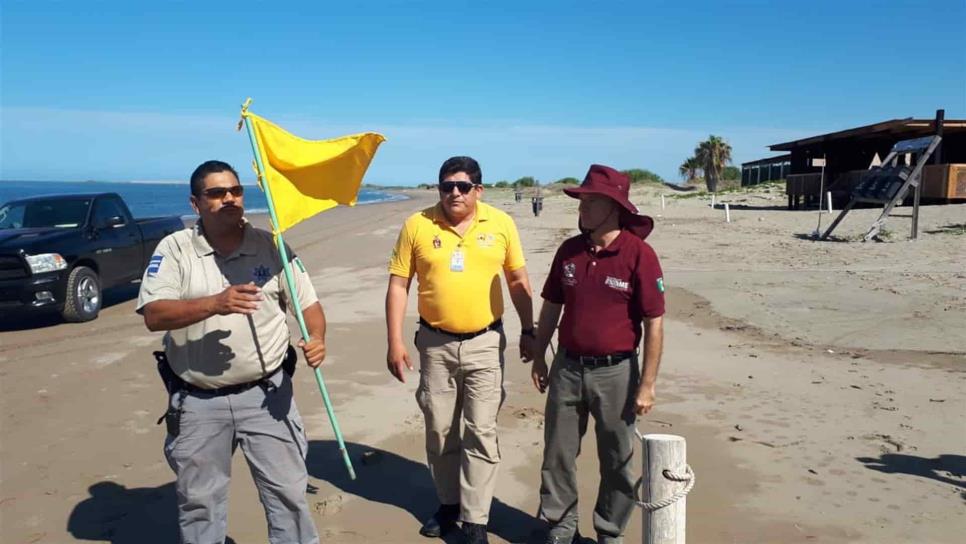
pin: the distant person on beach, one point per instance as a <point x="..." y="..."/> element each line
<point x="458" y="249"/>
<point x="219" y="291"/>
<point x="608" y="282"/>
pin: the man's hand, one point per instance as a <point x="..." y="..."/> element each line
<point x="645" y="399"/>
<point x="397" y="358"/>
<point x="527" y="347"/>
<point x="539" y="374"/>
<point x="238" y="299"/>
<point x="314" y="351"/>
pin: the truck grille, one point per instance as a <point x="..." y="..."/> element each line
<point x="12" y="267"/>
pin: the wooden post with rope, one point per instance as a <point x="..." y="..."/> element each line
<point x="666" y="481"/>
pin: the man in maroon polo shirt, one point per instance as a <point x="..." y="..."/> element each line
<point x="608" y="282"/>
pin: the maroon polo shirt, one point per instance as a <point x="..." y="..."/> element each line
<point x="605" y="295"/>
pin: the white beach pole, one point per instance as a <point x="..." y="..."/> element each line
<point x="829" y="201"/>
<point x="668" y="479"/>
<point x="712" y="200"/>
<point x="727" y="213"/>
<point x="662" y="202"/>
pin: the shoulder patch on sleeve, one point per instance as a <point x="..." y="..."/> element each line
<point x="154" y="265"/>
<point x="660" y="284"/>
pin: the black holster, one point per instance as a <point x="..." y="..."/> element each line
<point x="173" y="385"/>
<point x="291" y="361"/>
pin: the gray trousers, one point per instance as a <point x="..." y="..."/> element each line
<point x="266" y="424"/>
<point x="460" y="393"/>
<point x="608" y="394"/>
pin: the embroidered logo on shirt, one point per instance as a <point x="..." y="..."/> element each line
<point x="261" y="275"/>
<point x="569" y="271"/>
<point x="154" y="265"/>
<point x="660" y="284"/>
<point x="616" y="283"/>
<point x="437" y="243"/>
<point x="485" y="239"/>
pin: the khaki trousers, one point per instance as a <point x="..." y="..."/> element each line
<point x="460" y="393"/>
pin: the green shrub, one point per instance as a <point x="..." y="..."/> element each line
<point x="640" y="175"/>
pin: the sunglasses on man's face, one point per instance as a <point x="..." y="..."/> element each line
<point x="463" y="186"/>
<point x="217" y="193"/>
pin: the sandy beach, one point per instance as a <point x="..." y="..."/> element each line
<point x="821" y="388"/>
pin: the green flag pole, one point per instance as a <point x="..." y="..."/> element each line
<point x="280" y="243"/>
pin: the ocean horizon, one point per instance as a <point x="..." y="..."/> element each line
<point x="155" y="198"/>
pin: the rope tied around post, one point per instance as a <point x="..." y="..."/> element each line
<point x="688" y="477"/>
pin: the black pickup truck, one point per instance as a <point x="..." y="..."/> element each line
<point x="58" y="253"/>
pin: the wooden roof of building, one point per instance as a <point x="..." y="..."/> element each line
<point x="770" y="160"/>
<point x="895" y="128"/>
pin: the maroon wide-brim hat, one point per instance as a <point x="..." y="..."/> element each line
<point x="604" y="180"/>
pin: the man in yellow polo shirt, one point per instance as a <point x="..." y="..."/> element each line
<point x="457" y="249"/>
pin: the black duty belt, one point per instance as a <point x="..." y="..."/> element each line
<point x="462" y="336"/>
<point x="173" y="382"/>
<point x="594" y="361"/>
<point x="230" y="389"/>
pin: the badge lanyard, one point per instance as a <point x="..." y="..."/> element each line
<point x="456" y="260"/>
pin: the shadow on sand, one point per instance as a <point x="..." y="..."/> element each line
<point x="148" y="515"/>
<point x="948" y="469"/>
<point x="388" y="478"/>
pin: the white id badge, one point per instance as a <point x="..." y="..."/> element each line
<point x="456" y="261"/>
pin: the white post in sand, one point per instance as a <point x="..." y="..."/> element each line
<point x="662" y="202"/>
<point x="829" y="201"/>
<point x="712" y="200"/>
<point x="668" y="479"/>
<point x="727" y="213"/>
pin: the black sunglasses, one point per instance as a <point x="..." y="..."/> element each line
<point x="463" y="186"/>
<point x="217" y="193"/>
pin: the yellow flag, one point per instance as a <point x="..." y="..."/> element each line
<point x="307" y="177"/>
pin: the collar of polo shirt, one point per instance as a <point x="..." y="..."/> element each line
<point x="614" y="246"/>
<point x="202" y="247"/>
<point x="482" y="214"/>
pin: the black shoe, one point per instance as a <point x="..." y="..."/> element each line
<point x="442" y="522"/>
<point x="474" y="533"/>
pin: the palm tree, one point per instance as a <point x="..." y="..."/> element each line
<point x="713" y="154"/>
<point x="689" y="168"/>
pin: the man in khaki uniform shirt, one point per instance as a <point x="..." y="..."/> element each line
<point x="218" y="289"/>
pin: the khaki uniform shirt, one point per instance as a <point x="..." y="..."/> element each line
<point x="224" y="349"/>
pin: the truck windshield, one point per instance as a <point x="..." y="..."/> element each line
<point x="59" y="213"/>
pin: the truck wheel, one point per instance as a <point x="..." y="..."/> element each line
<point x="83" y="296"/>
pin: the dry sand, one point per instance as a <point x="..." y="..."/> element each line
<point x="820" y="387"/>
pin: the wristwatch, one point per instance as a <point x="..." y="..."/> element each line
<point x="529" y="332"/>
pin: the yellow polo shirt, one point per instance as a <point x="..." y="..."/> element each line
<point x="458" y="276"/>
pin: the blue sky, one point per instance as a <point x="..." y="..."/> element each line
<point x="146" y="91"/>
